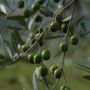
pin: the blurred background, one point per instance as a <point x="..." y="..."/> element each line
<point x="19" y="76"/>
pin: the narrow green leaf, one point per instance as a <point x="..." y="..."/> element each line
<point x="18" y="18"/>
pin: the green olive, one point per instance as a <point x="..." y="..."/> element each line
<point x="25" y="47"/>
<point x="74" y="40"/>
<point x="63" y="47"/>
<point x="43" y="70"/>
<point x="57" y="73"/>
<point x="40" y="30"/>
<point x="27" y="13"/>
<point x="46" y="54"/>
<point x="54" y="26"/>
<point x="35" y="7"/>
<point x="53" y="68"/>
<point x="37" y="58"/>
<point x="39" y="39"/>
<point x="21" y="3"/>
<point x="38" y="18"/>
<point x="31" y="58"/>
<point x="64" y="28"/>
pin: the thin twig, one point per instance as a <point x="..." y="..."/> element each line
<point x="66" y="38"/>
<point x="66" y="6"/>
<point x="68" y="30"/>
<point x="56" y="82"/>
<point x="64" y="77"/>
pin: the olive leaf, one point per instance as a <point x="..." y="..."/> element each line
<point x="83" y="67"/>
<point x="6" y="54"/>
<point x="3" y="47"/>
<point x="4" y="6"/>
<point x="2" y="13"/>
<point x="47" y="12"/>
<point x="9" y="48"/>
<point x="82" y="15"/>
<point x="87" y="77"/>
<point x="19" y="19"/>
<point x="35" y="79"/>
<point x="82" y="64"/>
<point x="10" y="23"/>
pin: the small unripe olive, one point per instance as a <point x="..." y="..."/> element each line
<point x="56" y="1"/>
<point x="31" y="58"/>
<point x="59" y="20"/>
<point x="57" y="73"/>
<point x="40" y="30"/>
<point x="41" y="42"/>
<point x="74" y="40"/>
<point x="46" y="54"/>
<point x="27" y="13"/>
<point x="25" y="47"/>
<point x="41" y="2"/>
<point x="35" y="7"/>
<point x="64" y="88"/>
<point x="38" y="18"/>
<point x="43" y="70"/>
<point x="37" y="58"/>
<point x="66" y="22"/>
<point x="63" y="47"/>
<point x="54" y="26"/>
<point x="64" y="28"/>
<point x="33" y="40"/>
<point x="53" y="68"/>
<point x="20" y="3"/>
<point x="37" y="36"/>
<point x="40" y="39"/>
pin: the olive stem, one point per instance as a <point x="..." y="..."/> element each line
<point x="67" y="34"/>
<point x="65" y="7"/>
<point x="64" y="77"/>
<point x="66" y="37"/>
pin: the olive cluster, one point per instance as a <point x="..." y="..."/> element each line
<point x="54" y="26"/>
<point x="38" y="58"/>
<point x="35" y="7"/>
<point x="56" y="71"/>
<point x="37" y="37"/>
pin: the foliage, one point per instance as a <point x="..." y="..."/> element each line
<point x="19" y="18"/>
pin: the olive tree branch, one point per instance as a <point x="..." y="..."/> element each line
<point x="62" y="57"/>
<point x="64" y="54"/>
<point x="41" y="34"/>
<point x="67" y="37"/>
<point x="25" y="53"/>
<point x="68" y="30"/>
<point x="69" y="3"/>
